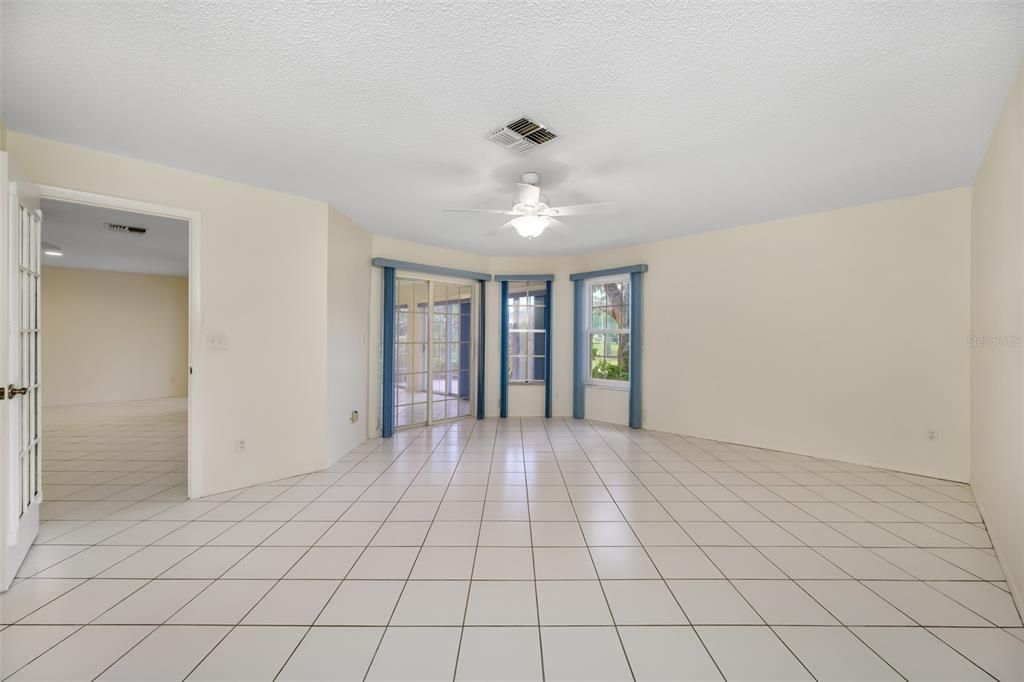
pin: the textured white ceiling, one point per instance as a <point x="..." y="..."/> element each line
<point x="692" y="116"/>
<point x="80" y="231"/>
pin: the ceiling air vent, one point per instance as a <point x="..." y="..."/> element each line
<point x="522" y="135"/>
<point x="126" y="229"/>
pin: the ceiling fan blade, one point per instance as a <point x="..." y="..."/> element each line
<point x="528" y="194"/>
<point x="482" y="210"/>
<point x="581" y="209"/>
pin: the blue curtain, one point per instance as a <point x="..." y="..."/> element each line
<point x="387" y="421"/>
<point x="503" y="365"/>
<point x="481" y="345"/>
<point x="547" y="351"/>
<point x="636" y="347"/>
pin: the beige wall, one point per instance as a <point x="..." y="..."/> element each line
<point x="997" y="327"/>
<point x="839" y="334"/>
<point x="263" y="284"/>
<point x="348" y="318"/>
<point x="113" y="336"/>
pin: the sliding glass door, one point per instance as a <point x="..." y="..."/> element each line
<point x="435" y="343"/>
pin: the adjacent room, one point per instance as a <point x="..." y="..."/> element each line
<point x="500" y="341"/>
<point x="114" y="297"/>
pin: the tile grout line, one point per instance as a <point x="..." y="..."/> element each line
<point x="533" y="548"/>
<point x="233" y="627"/>
<point x="230" y="628"/>
<point x="597" y="573"/>
<point x="822" y="606"/>
<point x="479" y="533"/>
<point x="840" y="622"/>
<point x="412" y="566"/>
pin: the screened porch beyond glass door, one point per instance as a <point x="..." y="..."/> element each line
<point x="433" y="320"/>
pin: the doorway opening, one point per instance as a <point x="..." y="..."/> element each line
<point x="120" y="301"/>
<point x="434" y="351"/>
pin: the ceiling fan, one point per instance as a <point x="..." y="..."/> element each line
<point x="532" y="213"/>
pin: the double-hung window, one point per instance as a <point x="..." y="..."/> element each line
<point x="527" y="310"/>
<point x="609" y="331"/>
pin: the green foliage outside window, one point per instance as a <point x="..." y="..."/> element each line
<point x="617" y="370"/>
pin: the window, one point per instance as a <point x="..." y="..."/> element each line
<point x="609" y="331"/>
<point x="527" y="310"/>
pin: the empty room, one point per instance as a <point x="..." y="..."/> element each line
<point x="427" y="340"/>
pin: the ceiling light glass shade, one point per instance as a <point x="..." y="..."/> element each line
<point x="52" y="249"/>
<point x="530" y="226"/>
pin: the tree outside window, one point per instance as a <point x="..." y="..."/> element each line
<point x="609" y="331"/>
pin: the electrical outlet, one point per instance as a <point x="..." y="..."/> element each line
<point x="241" y="445"/>
<point x="931" y="434"/>
<point x="217" y="341"/>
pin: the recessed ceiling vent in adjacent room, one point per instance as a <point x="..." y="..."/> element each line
<point x="126" y="229"/>
<point x="522" y="135"/>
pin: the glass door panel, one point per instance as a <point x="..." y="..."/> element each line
<point x="411" y="345"/>
<point x="27" y="234"/>
<point x="433" y="351"/>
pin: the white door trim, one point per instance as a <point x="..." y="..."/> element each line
<point x="195" y="318"/>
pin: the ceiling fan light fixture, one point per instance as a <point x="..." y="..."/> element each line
<point x="532" y="212"/>
<point x="531" y="226"/>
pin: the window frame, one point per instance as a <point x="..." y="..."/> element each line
<point x="534" y="286"/>
<point x="622" y="278"/>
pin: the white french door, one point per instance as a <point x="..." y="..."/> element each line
<point x="435" y="348"/>
<point x="20" y="428"/>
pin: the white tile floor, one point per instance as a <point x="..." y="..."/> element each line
<point x="504" y="551"/>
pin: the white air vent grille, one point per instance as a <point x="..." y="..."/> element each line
<point x="126" y="229"/>
<point x="522" y="135"/>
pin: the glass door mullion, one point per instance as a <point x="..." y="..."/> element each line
<point x="430" y="353"/>
<point x="449" y="390"/>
